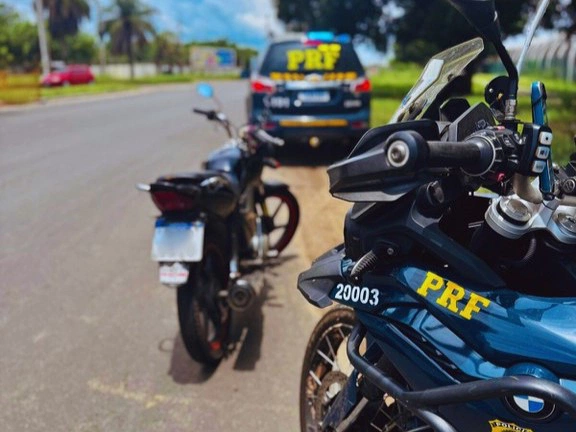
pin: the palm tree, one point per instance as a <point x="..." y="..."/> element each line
<point x="129" y="25"/>
<point x="64" y="17"/>
<point x="167" y="50"/>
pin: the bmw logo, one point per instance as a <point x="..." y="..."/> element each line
<point x="530" y="407"/>
<point x="529" y="404"/>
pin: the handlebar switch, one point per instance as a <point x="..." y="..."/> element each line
<point x="535" y="149"/>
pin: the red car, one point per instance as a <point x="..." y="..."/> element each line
<point x="68" y="75"/>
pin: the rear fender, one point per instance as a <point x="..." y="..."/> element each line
<point x="316" y="283"/>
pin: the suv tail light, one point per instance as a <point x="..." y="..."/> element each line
<point x="362" y="85"/>
<point x="168" y="201"/>
<point x="262" y="85"/>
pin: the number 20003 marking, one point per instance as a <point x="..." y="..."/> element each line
<point x="357" y="294"/>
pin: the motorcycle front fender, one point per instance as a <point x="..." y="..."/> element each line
<point x="344" y="404"/>
<point x="271" y="186"/>
<point x="316" y="283"/>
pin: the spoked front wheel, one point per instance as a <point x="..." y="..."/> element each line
<point x="280" y="214"/>
<point x="326" y="367"/>
<point x="326" y="370"/>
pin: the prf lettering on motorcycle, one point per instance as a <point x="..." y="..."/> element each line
<point x="322" y="57"/>
<point x="450" y="294"/>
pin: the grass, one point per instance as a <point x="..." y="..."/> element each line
<point x="101" y="85"/>
<point x="105" y="84"/>
<point x="391" y="85"/>
<point x="21" y="89"/>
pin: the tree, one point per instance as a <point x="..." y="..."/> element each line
<point x="426" y="27"/>
<point x="7" y="18"/>
<point x="167" y="50"/>
<point x="18" y="41"/>
<point x="430" y="26"/>
<point x="130" y="25"/>
<point x="360" y="19"/>
<point x="82" y="48"/>
<point x="562" y="17"/>
<point x="64" y="18"/>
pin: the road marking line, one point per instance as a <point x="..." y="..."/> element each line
<point x="150" y="400"/>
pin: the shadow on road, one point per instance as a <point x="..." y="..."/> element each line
<point x="247" y="332"/>
<point x="183" y="369"/>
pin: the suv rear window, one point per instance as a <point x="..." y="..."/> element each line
<point x="296" y="57"/>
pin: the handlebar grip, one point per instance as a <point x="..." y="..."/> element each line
<point x="409" y="150"/>
<point x="211" y="115"/>
<point x="475" y="155"/>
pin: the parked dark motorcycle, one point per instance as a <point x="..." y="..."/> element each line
<point x="458" y="272"/>
<point x="213" y="222"/>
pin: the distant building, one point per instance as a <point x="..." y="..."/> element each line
<point x="212" y="59"/>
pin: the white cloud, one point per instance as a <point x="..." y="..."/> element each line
<point x="246" y="22"/>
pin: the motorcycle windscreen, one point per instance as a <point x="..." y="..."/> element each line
<point x="442" y="69"/>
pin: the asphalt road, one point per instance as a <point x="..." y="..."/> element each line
<point x="88" y="337"/>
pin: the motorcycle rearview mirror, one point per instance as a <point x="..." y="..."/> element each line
<point x="205" y="90"/>
<point x="483" y="16"/>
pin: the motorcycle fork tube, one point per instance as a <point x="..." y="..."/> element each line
<point x="262" y="201"/>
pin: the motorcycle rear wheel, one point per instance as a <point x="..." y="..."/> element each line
<point x="280" y="218"/>
<point x="203" y="315"/>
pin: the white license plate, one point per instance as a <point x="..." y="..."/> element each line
<point x="314" y="96"/>
<point x="174" y="273"/>
<point x="178" y="241"/>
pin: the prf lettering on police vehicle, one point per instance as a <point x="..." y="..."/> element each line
<point x="322" y="57"/>
<point x="452" y="296"/>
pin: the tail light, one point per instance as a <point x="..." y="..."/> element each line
<point x="168" y="201"/>
<point x="262" y="85"/>
<point x="362" y="85"/>
<point x="359" y="124"/>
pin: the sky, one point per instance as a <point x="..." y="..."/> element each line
<point x="246" y="22"/>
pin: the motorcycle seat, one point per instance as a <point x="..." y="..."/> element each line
<point x="227" y="181"/>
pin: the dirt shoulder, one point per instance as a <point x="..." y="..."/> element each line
<point x="321" y="215"/>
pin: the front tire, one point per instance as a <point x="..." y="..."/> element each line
<point x="203" y="315"/>
<point x="323" y="373"/>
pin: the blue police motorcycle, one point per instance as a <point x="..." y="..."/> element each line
<point x="457" y="273"/>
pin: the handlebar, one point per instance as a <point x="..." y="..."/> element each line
<point x="216" y="116"/>
<point x="210" y="114"/>
<point x="265" y="137"/>
<point x="409" y="150"/>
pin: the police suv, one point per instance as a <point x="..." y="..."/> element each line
<point x="311" y="89"/>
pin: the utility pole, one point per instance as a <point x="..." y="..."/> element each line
<point x="102" y="47"/>
<point x="42" y="40"/>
